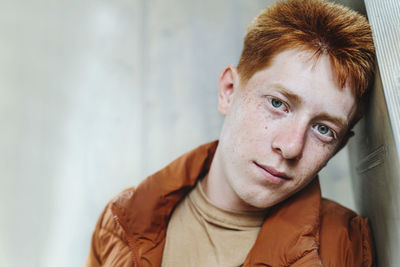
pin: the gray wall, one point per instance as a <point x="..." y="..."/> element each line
<point x="375" y="152"/>
<point x="94" y="96"/>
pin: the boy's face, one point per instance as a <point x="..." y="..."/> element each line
<point x="281" y="128"/>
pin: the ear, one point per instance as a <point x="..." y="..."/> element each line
<point x="344" y="141"/>
<point x="227" y="84"/>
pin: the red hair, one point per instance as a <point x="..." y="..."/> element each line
<point x="322" y="27"/>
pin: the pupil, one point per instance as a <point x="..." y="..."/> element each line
<point x="323" y="129"/>
<point x="276" y="103"/>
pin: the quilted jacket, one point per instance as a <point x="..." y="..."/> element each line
<point x="304" y="230"/>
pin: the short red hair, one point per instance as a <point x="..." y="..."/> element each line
<point x="322" y="27"/>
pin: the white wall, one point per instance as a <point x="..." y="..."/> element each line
<point x="94" y="96"/>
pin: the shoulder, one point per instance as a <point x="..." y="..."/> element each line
<point x="109" y="244"/>
<point x="107" y="221"/>
<point x="345" y="237"/>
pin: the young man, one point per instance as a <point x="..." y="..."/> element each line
<point x="253" y="198"/>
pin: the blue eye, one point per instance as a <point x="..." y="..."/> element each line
<point x="276" y="103"/>
<point x="322" y="129"/>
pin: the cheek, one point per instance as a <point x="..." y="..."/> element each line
<point x="316" y="157"/>
<point x="248" y="120"/>
<point x="250" y="127"/>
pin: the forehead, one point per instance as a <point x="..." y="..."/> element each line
<point x="291" y="63"/>
<point x="308" y="79"/>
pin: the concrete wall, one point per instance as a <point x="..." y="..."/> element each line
<point x="375" y="152"/>
<point x="94" y="96"/>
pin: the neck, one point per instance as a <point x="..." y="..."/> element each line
<point x="219" y="191"/>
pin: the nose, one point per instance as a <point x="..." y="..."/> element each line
<point x="290" y="140"/>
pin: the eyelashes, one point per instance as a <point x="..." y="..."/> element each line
<point x="278" y="104"/>
<point x="325" y="132"/>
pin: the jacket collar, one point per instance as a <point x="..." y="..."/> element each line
<point x="289" y="233"/>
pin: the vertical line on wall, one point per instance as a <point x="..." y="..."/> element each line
<point x="385" y="23"/>
<point x="143" y="76"/>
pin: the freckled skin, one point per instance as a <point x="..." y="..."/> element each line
<point x="285" y="138"/>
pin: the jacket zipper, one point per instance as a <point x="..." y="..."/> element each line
<point x="117" y="216"/>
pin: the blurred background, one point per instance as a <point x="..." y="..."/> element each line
<point x="95" y="96"/>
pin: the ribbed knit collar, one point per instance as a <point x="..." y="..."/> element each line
<point x="237" y="220"/>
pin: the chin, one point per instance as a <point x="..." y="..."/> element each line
<point x="261" y="201"/>
<point x="265" y="205"/>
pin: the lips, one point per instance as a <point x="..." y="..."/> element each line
<point x="272" y="175"/>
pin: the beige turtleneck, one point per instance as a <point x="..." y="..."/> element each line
<point x="202" y="234"/>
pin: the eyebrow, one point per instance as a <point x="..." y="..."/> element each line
<point x="336" y="120"/>
<point x="288" y="94"/>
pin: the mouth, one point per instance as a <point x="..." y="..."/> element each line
<point x="272" y="175"/>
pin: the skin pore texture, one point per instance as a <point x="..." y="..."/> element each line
<point x="280" y="129"/>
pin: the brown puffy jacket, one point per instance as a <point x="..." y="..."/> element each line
<point x="304" y="230"/>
